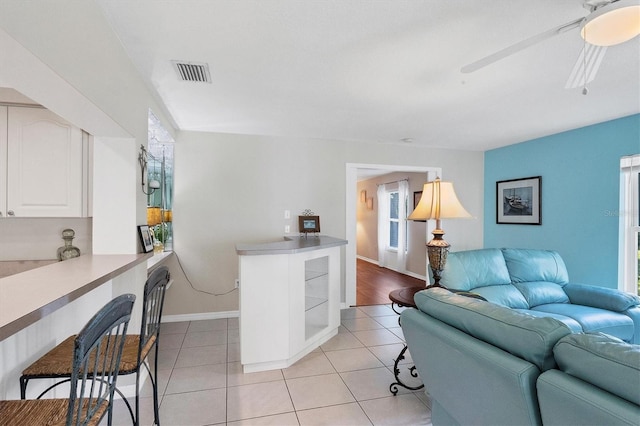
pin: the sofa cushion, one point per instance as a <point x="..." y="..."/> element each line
<point x="525" y="336"/>
<point x="593" y="319"/>
<point x="469" y="269"/>
<point x="535" y="265"/>
<point x="541" y="292"/>
<point x="505" y="295"/>
<point x="569" y="322"/>
<point x="603" y="361"/>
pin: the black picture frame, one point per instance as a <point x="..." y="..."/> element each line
<point x="146" y="240"/>
<point x="518" y="201"/>
<point x="309" y="224"/>
<point x="417" y="196"/>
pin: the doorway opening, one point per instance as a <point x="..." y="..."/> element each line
<point x="354" y="173"/>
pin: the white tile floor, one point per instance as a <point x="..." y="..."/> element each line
<point x="344" y="382"/>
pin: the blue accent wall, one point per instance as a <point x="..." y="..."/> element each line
<point x="580" y="172"/>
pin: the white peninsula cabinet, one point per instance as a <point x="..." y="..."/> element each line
<point x="289" y="299"/>
<point x="46" y="163"/>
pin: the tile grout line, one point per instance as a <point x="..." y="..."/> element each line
<point x="286" y="380"/>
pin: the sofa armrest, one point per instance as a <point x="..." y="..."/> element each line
<point x="566" y="400"/>
<point x="634" y="314"/>
<point x="600" y="297"/>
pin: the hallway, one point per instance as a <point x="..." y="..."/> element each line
<point x="375" y="283"/>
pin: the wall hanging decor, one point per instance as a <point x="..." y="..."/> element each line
<point x="518" y="201"/>
<point x="370" y="203"/>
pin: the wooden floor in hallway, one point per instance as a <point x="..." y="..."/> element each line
<point x="373" y="283"/>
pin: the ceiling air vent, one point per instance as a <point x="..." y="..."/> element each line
<point x="192" y="71"/>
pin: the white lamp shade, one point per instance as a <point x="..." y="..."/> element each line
<point x="439" y="201"/>
<point x="612" y="24"/>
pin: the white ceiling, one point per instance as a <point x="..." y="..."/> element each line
<point x="373" y="70"/>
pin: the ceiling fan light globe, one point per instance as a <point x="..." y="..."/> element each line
<point x="612" y="24"/>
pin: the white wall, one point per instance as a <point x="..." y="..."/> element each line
<point x="114" y="196"/>
<point x="233" y="189"/>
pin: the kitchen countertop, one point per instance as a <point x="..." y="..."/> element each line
<point x="289" y="245"/>
<point x="30" y="296"/>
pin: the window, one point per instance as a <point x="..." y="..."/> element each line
<point x="629" y="217"/>
<point x="395" y="222"/>
<point x="393" y="219"/>
<point x="160" y="168"/>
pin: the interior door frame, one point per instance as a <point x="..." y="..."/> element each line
<point x="350" y="223"/>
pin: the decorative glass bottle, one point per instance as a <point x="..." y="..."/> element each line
<point x="68" y="251"/>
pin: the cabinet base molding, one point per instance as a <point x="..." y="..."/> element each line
<point x="285" y="363"/>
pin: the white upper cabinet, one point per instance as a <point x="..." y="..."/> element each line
<point x="45" y="158"/>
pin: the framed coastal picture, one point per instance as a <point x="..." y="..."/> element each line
<point x="146" y="240"/>
<point x="518" y="201"/>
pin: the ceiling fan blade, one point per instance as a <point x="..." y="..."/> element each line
<point x="586" y="67"/>
<point x="514" y="48"/>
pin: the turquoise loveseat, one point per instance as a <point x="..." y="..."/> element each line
<point x="537" y="282"/>
<point x="486" y="364"/>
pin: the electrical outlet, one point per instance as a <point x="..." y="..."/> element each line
<point x="287" y="214"/>
<point x="287" y="229"/>
<point x="237" y="283"/>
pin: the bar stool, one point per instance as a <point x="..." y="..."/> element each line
<point x="56" y="364"/>
<point x="96" y="352"/>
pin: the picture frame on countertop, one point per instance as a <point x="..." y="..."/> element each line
<point x="146" y="240"/>
<point x="518" y="201"/>
<point x="309" y="224"/>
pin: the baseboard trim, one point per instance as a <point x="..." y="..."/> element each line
<point x="200" y="316"/>
<point x="366" y="259"/>
<point x="414" y="275"/>
<point x="409" y="273"/>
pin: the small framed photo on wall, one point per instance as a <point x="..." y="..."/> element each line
<point x="518" y="201"/>
<point x="417" y="196"/>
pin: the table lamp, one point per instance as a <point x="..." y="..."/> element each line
<point x="439" y="201"/>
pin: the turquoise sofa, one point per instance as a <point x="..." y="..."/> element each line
<point x="597" y="382"/>
<point x="537" y="282"/>
<point x="486" y="364"/>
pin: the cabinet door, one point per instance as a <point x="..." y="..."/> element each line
<point x="3" y="161"/>
<point x="44" y="176"/>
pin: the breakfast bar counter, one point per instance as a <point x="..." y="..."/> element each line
<point x="41" y="307"/>
<point x="29" y="296"/>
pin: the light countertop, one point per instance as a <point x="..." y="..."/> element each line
<point x="290" y="245"/>
<point x="29" y="296"/>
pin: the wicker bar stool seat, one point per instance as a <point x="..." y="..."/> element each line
<point x="56" y="364"/>
<point x="95" y="354"/>
<point x="50" y="412"/>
